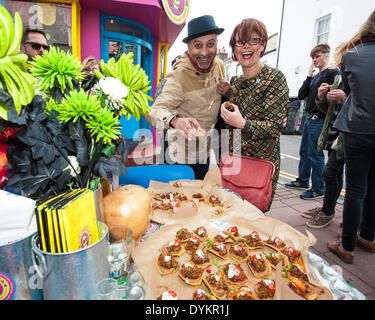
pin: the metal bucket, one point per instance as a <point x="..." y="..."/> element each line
<point x="18" y="279"/>
<point x="73" y="275"/>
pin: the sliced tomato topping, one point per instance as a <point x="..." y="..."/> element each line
<point x="177" y="243"/>
<point x="234" y="229"/>
<point x="172" y="293"/>
<point x="254" y="234"/>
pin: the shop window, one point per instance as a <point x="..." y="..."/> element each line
<point x="126" y="28"/>
<point x="138" y="33"/>
<point x="54" y="18"/>
<point x="112" y="25"/>
<point x="115" y="49"/>
<point x="130" y="48"/>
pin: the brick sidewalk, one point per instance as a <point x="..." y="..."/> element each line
<point x="287" y="207"/>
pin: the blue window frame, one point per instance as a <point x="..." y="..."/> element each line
<point x="121" y="36"/>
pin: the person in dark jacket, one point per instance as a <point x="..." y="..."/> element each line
<point x="330" y="100"/>
<point x="311" y="161"/>
<point x="356" y="58"/>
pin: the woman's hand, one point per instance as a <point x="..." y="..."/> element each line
<point x="233" y="118"/>
<point x="223" y="87"/>
<point x="337" y="95"/>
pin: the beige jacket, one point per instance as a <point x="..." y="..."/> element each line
<point x="187" y="93"/>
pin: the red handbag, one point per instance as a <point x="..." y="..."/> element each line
<point x="249" y="177"/>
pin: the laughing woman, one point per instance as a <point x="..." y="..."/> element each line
<point x="260" y="97"/>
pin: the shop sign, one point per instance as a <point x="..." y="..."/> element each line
<point x="176" y="10"/>
<point x="7" y="287"/>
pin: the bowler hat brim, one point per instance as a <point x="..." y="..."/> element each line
<point x="203" y="33"/>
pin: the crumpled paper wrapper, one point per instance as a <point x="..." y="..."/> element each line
<point x="146" y="254"/>
<point x="211" y="185"/>
<point x="17" y="219"/>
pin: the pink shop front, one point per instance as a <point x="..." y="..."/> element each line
<point x="109" y="28"/>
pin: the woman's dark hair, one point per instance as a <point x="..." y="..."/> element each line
<point x="244" y="30"/>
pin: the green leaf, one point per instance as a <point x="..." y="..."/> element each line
<point x="109" y="150"/>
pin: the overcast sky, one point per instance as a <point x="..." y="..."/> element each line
<point x="227" y="14"/>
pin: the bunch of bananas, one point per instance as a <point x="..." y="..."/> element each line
<point x="56" y="68"/>
<point x="135" y="78"/>
<point x="14" y="77"/>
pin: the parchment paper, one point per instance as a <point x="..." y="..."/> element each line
<point x="211" y="185"/>
<point x="191" y="215"/>
<point x="146" y="254"/>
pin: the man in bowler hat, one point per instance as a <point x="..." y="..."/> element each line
<point x="188" y="107"/>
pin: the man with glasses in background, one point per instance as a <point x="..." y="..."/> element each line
<point x="34" y="42"/>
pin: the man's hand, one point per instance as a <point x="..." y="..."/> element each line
<point x="311" y="70"/>
<point x="322" y="90"/>
<point x="336" y="95"/>
<point x="188" y="126"/>
<point x="223" y="87"/>
<point x="233" y="118"/>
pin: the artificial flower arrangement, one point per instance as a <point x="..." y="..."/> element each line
<point x="7" y="137"/>
<point x="67" y="137"/>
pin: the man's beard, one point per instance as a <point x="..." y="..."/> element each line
<point x="207" y="60"/>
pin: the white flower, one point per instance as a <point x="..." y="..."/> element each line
<point x="113" y="88"/>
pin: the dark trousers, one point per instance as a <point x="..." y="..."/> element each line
<point x="200" y="169"/>
<point x="311" y="161"/>
<point x="359" y="204"/>
<point x="333" y="175"/>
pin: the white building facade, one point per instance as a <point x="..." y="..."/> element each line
<point x="307" y="23"/>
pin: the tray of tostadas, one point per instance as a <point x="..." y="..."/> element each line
<point x="237" y="256"/>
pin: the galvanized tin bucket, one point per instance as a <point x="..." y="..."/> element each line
<point x="18" y="278"/>
<point x="73" y="275"/>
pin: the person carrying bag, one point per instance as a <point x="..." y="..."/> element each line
<point x="259" y="100"/>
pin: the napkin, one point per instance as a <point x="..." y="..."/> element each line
<point x="16" y="216"/>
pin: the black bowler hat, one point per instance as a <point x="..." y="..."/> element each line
<point x="202" y="26"/>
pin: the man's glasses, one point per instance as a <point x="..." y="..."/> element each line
<point x="37" y="46"/>
<point x="251" y="42"/>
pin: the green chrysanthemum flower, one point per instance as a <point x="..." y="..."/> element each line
<point x="51" y="105"/>
<point x="104" y="125"/>
<point x="54" y="65"/>
<point x="79" y="105"/>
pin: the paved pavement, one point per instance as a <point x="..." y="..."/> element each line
<point x="287" y="207"/>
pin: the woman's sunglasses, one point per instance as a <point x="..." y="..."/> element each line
<point x="37" y="46"/>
